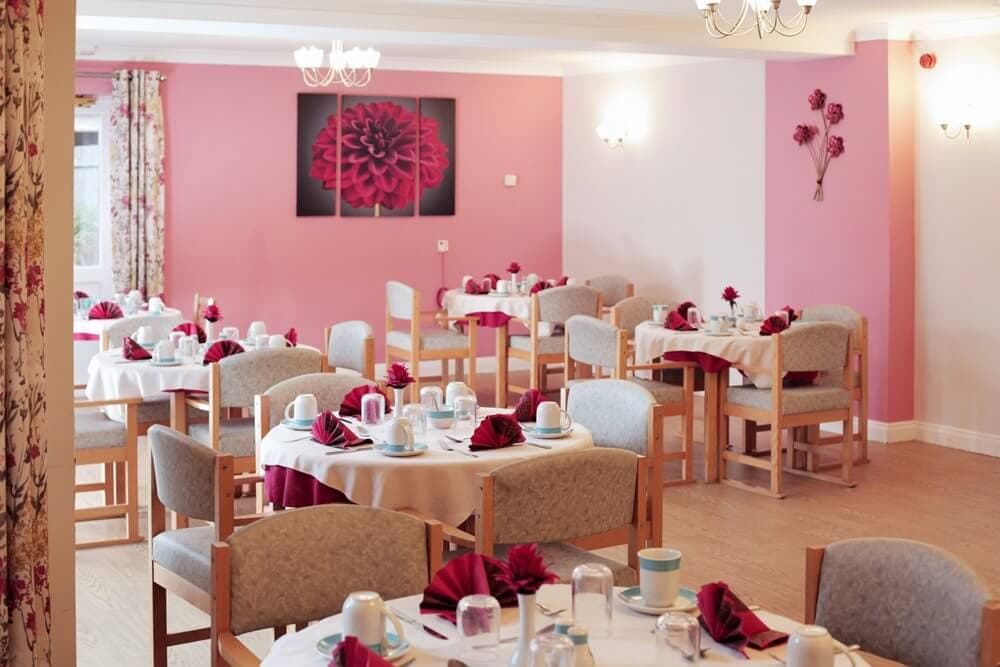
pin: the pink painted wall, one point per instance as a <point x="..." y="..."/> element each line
<point x="231" y="226"/>
<point x="856" y="247"/>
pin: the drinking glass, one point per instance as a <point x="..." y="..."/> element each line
<point x="593" y="590"/>
<point x="486" y="285"/>
<point x="465" y="416"/>
<point x="551" y="650"/>
<point x="694" y="317"/>
<point x="478" y="620"/>
<point x="783" y="314"/>
<point x="678" y="632"/>
<point x="432" y="398"/>
<point x="418" y="419"/>
<point x="372" y="410"/>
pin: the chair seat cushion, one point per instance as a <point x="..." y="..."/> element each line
<point x="154" y="412"/>
<point x="546" y="344"/>
<point x="436" y="339"/>
<point x="795" y="400"/>
<point x="93" y="430"/>
<point x="664" y="393"/>
<point x="236" y="436"/>
<point x="187" y="553"/>
<point x="562" y="557"/>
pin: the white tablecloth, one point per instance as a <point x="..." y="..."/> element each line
<point x="458" y="303"/>
<point x="749" y="350"/>
<point x="97" y="327"/>
<point x="631" y="642"/>
<point x="439" y="484"/>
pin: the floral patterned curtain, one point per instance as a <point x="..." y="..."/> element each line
<point x="24" y="610"/>
<point x="137" y="182"/>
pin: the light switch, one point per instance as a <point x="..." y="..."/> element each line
<point x="510" y="180"/>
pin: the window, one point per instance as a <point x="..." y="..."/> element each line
<point x="91" y="200"/>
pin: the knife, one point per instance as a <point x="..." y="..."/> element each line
<point x="426" y="628"/>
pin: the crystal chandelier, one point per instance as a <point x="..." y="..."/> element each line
<point x="352" y="69"/>
<point x="764" y="16"/>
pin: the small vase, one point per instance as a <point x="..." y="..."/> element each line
<point x="526" y="630"/>
<point x="397" y="399"/>
<point x="209" y="331"/>
<point x="513" y="283"/>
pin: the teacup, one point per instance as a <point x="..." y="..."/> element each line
<point x="155" y="305"/>
<point x="570" y="282"/>
<point x="465" y="279"/>
<point x="176" y="336"/>
<point x="441" y="419"/>
<point x="303" y="410"/>
<point x="260" y="342"/>
<point x="456" y="389"/>
<point x="810" y="646"/>
<point x="277" y="340"/>
<point x="399" y="434"/>
<point x="257" y="328"/>
<point x="164" y="352"/>
<point x="231" y="333"/>
<point x="503" y="287"/>
<point x="364" y="615"/>
<point x="550" y="419"/>
<point x="718" y="324"/>
<point x="659" y="576"/>
<point x="144" y="335"/>
<point x="660" y="312"/>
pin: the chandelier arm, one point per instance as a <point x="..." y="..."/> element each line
<point x="729" y="29"/>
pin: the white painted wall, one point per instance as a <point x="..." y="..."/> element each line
<point x="958" y="248"/>
<point x="679" y="209"/>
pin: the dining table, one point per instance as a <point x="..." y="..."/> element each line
<point x="441" y="483"/>
<point x="87" y="329"/>
<point x="631" y="643"/>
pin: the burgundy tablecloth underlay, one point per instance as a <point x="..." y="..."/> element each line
<point x="292" y="488"/>
<point x="708" y="362"/>
<point x="86" y="336"/>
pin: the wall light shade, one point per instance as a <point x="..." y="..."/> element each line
<point x="614" y="136"/>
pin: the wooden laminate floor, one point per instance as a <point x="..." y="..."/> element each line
<point x="756" y="544"/>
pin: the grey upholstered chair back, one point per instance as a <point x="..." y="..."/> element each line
<point x="243" y="376"/>
<point x="184" y="470"/>
<point x="347" y="345"/>
<point x="903" y="600"/>
<point x="329" y="389"/>
<point x="633" y="311"/>
<point x="300" y="565"/>
<point x="613" y="288"/>
<point x="399" y="300"/>
<point x="615" y="411"/>
<point x="833" y="313"/>
<point x="162" y="325"/>
<point x="815" y="346"/>
<point x="558" y="304"/>
<point x="563" y="496"/>
<point x="592" y="341"/>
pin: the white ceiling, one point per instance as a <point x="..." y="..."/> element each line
<point x="552" y="37"/>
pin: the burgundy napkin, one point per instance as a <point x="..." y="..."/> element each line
<point x="773" y="325"/>
<point x="222" y="349"/>
<point x="527" y="406"/>
<point x="292" y="337"/>
<point x="562" y="281"/>
<point x="473" y="287"/>
<point x="329" y="430"/>
<point x="683" y="308"/>
<point x="80" y="294"/>
<point x="351" y="405"/>
<point x="350" y="652"/>
<point x="792" y="314"/>
<point x="677" y="322"/>
<point x="471" y="574"/>
<point x="728" y="620"/>
<point x="191" y="329"/>
<point x="132" y="351"/>
<point x="496" y="431"/>
<point x="105" y="310"/>
<point x="494" y="279"/>
<point x="539" y="286"/>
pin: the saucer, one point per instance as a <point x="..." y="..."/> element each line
<point x="326" y="645"/>
<point x="288" y="423"/>
<point x="530" y="431"/>
<point x="172" y="362"/>
<point x="687" y="600"/>
<point x="418" y="449"/>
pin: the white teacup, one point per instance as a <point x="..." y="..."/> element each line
<point x="176" y="337"/>
<point x="399" y="435"/>
<point x="277" y="340"/>
<point x="660" y="312"/>
<point x="260" y="342"/>
<point x="257" y="328"/>
<point x="810" y="646"/>
<point x="718" y="324"/>
<point x="231" y="333"/>
<point x="144" y="335"/>
<point x="572" y="281"/>
<point x="503" y="287"/>
<point x="659" y="576"/>
<point x="303" y="410"/>
<point x="155" y="305"/>
<point x="364" y="615"/>
<point x="550" y="419"/>
<point x="164" y="352"/>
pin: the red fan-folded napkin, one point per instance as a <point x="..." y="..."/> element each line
<point x="351" y="405"/>
<point x="350" y="652"/>
<point x="105" y="310"/>
<point x="473" y="287"/>
<point x="292" y="337"/>
<point x="792" y="313"/>
<point x="329" y="430"/>
<point x="539" y="286"/>
<point x="80" y="294"/>
<point x="496" y="431"/>
<point x="494" y="279"/>
<point x="773" y="325"/>
<point x="728" y="620"/>
<point x="684" y="307"/>
<point x="527" y="406"/>
<point x="471" y="574"/>
<point x="132" y="351"/>
<point x="562" y="281"/>
<point x="677" y="322"/>
<point x="222" y="349"/>
<point x="191" y="329"/>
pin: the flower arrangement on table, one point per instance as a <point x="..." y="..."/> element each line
<point x="211" y="313"/>
<point x="397" y="376"/>
<point x="831" y="146"/>
<point x="513" y="269"/>
<point x="730" y="295"/>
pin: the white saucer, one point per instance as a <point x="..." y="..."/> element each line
<point x="326" y="645"/>
<point x="530" y="432"/>
<point x="418" y="449"/>
<point x="687" y="600"/>
<point x="290" y="424"/>
<point x="175" y="362"/>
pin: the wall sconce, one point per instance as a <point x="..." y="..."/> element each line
<point x="613" y="136"/>
<point x="957" y="133"/>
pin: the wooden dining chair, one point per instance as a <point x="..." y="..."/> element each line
<point x="599" y="345"/>
<point x="200" y="302"/>
<point x="905" y="601"/>
<point x="98" y="440"/>
<point x="553" y="306"/>
<point x="613" y="288"/>
<point x="115" y="331"/>
<point x="402" y="303"/>
<point x="804" y="347"/>
<point x="351" y="346"/>
<point x="192" y="481"/>
<point x="630" y="312"/>
<point x="260" y="580"/>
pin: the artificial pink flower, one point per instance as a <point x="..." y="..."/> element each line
<point x="212" y="313"/>
<point x="804" y="134"/>
<point x="730" y="294"/>
<point x="835" y="113"/>
<point x="514" y="267"/>
<point x="398" y="376"/>
<point x="835" y="146"/>
<point x="525" y="570"/>
<point x="292" y="337"/>
<point x="817" y="100"/>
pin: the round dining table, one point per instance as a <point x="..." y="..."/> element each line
<point x="439" y="484"/>
<point x="631" y="644"/>
<point x="91" y="329"/>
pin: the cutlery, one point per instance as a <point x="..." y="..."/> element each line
<point x="548" y="628"/>
<point x="537" y="444"/>
<point x="348" y="451"/>
<point x="548" y="611"/>
<point x="305" y="437"/>
<point x="454" y="439"/>
<point x="406" y="618"/>
<point x="448" y="448"/>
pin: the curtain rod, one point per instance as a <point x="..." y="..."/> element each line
<point x="106" y="75"/>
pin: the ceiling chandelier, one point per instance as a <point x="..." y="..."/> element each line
<point x="763" y="16"/>
<point x="352" y="69"/>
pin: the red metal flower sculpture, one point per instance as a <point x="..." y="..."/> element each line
<point x="832" y="146"/>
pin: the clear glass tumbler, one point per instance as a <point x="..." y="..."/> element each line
<point x="593" y="598"/>
<point x="694" y="317"/>
<point x="432" y="398"/>
<point x="478" y="620"/>
<point x="465" y="416"/>
<point x="551" y="650"/>
<point x="418" y="419"/>
<point x="372" y="410"/>
<point x="677" y="632"/>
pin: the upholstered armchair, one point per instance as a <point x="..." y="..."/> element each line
<point x="613" y="288"/>
<point x="351" y="346"/>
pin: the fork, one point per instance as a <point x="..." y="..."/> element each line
<point x="448" y="448"/>
<point x="548" y="611"/>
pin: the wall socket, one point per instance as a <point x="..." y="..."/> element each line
<point x="442" y="246"/>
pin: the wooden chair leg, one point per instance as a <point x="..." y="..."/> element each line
<point x="415" y="385"/>
<point x="533" y="379"/>
<point x="543" y="378"/>
<point x="470" y="377"/>
<point x="776" y="461"/>
<point x="749" y="437"/>
<point x="847" y="451"/>
<point x="159" y="626"/>
<point x="121" y="482"/>
<point x="132" y="517"/>
<point x="444" y="376"/>
<point x="109" y="483"/>
<point x="863" y="428"/>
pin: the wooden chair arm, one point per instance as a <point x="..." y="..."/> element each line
<point x="204" y="406"/>
<point x="451" y="534"/>
<point x="79" y="386"/>
<point x="247" y="519"/>
<point x="105" y="402"/>
<point x="235" y="653"/>
<point x="457" y="318"/>
<point x="660" y="365"/>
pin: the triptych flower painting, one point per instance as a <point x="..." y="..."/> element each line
<point x="379" y="156"/>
